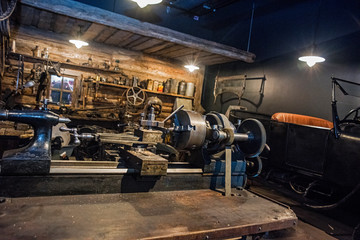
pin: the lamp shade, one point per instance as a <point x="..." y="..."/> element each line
<point x="78" y="43"/>
<point x="144" y="3"/>
<point x="191" y="67"/>
<point x="311" y="60"/>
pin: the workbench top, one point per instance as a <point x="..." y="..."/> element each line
<point x="194" y="214"/>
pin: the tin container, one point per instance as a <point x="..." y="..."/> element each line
<point x="190" y="89"/>
<point x="173" y="85"/>
<point x="167" y="86"/>
<point x="156" y="85"/>
<point x="150" y="84"/>
<point x="182" y="88"/>
<point x="135" y="82"/>
<point x="128" y="82"/>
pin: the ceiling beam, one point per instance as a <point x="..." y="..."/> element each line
<point x="93" y="14"/>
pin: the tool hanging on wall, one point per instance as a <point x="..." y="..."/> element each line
<point x="237" y="85"/>
<point x="20" y="72"/>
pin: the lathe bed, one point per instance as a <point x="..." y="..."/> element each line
<point x="196" y="214"/>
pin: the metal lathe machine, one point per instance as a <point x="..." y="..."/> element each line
<point x="151" y="168"/>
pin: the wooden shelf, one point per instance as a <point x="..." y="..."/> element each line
<point x="31" y="59"/>
<point x="145" y="90"/>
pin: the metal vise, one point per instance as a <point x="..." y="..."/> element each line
<point x="35" y="158"/>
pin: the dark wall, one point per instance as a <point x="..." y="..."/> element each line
<point x="292" y="86"/>
<point x="282" y="31"/>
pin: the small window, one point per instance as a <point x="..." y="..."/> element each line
<point x="61" y="89"/>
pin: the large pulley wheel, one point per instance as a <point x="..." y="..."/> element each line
<point x="257" y="137"/>
<point x="135" y="96"/>
<point x="221" y="122"/>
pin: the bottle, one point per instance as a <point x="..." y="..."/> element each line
<point x="160" y="87"/>
<point x="45" y="53"/>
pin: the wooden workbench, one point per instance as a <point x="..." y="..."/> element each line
<point x="195" y="214"/>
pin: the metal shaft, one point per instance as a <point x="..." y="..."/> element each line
<point x="227" y="170"/>
<point x="241" y="137"/>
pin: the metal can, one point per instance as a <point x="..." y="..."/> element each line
<point x="167" y="86"/>
<point x="150" y="84"/>
<point x="173" y="85"/>
<point x="182" y="88"/>
<point x="156" y="85"/>
<point x="190" y="89"/>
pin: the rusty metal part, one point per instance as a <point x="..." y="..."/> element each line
<point x="135" y="96"/>
<point x="36" y="156"/>
<point x="148" y="163"/>
<point x="151" y="215"/>
<point x="147" y="135"/>
<point x="232" y="84"/>
<point x="151" y="122"/>
<point x="153" y="102"/>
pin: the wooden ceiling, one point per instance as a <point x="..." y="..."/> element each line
<point x="101" y="26"/>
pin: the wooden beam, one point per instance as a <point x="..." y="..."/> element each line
<point x="118" y="37"/>
<point x="26" y="14"/>
<point x="132" y="38"/>
<point x="165" y="51"/>
<point x="45" y="20"/>
<point x="92" y="31"/>
<point x="60" y="23"/>
<point x="158" y="47"/>
<point x="89" y="13"/>
<point x="136" y="43"/>
<point x="36" y="17"/>
<point x="182" y="52"/>
<point x="147" y="44"/>
<point x="105" y="34"/>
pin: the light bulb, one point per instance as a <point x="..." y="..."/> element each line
<point x="78" y="43"/>
<point x="191" y="67"/>
<point x="144" y="3"/>
<point x="311" y="60"/>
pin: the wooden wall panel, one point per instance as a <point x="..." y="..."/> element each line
<point x="131" y="63"/>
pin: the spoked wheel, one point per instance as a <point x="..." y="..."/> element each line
<point x="135" y="96"/>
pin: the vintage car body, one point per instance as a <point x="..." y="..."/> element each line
<point x="313" y="148"/>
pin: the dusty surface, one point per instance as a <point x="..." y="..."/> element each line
<point x="197" y="214"/>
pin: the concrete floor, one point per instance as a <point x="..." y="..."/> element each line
<point x="312" y="224"/>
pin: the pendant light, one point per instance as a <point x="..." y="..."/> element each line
<point x="190" y="63"/>
<point x="144" y="3"/>
<point x="78" y="42"/>
<point x="191" y="67"/>
<point x="312" y="58"/>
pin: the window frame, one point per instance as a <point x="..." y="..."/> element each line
<point x="61" y="90"/>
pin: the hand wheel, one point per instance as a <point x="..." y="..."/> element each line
<point x="135" y="96"/>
